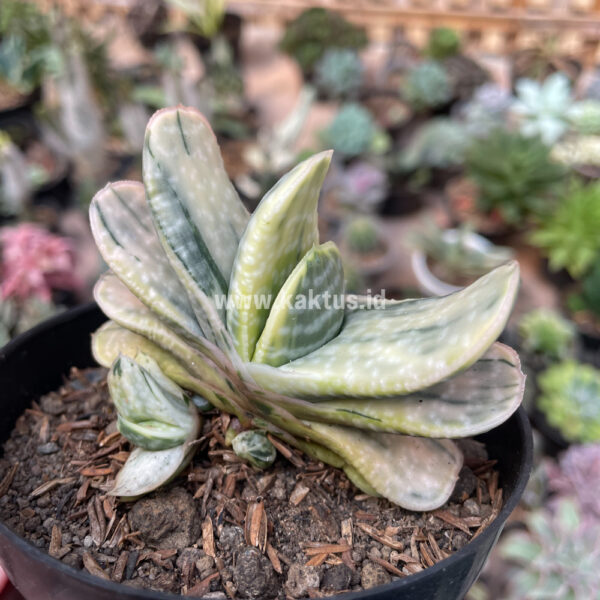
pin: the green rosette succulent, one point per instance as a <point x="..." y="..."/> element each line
<point x="249" y="312"/>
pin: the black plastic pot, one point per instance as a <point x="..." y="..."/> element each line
<point x="35" y="363"/>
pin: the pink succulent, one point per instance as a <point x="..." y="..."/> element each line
<point x="35" y="262"/>
<point x="578" y="474"/>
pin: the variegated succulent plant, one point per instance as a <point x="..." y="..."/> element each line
<point x="249" y="312"/>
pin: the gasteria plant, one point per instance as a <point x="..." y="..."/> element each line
<point x="249" y="312"/>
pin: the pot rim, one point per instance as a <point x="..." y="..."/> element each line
<point x="521" y="423"/>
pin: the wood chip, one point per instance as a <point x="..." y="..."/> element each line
<point x="493" y="484"/>
<point x="93" y="567"/>
<point x="403" y="557"/>
<point x="229" y="487"/>
<point x="286" y="452"/>
<point x="8" y="479"/>
<point x="316" y="560"/>
<point x="413" y="568"/>
<point x="255" y="525"/>
<point x="425" y="555"/>
<point x="73" y="425"/>
<point x="327" y="549"/>
<point x="96" y="525"/>
<point x="82" y="491"/>
<point x="208" y="537"/>
<point x="96" y="471"/>
<point x="202" y="587"/>
<point x="365" y="516"/>
<point x="299" y="493"/>
<point x="55" y="542"/>
<point x="272" y="554"/>
<point x="381" y="538"/>
<point x="119" y="568"/>
<point x="50" y="485"/>
<point x="388" y="566"/>
<point x="44" y="432"/>
<point x="453" y="520"/>
<point x="346" y="527"/>
<point x="437" y="553"/>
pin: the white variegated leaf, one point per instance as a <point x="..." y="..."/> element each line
<point x="404" y="347"/>
<point x="281" y="231"/>
<point x="122" y="226"/>
<point x="308" y="310"/>
<point x="197" y="212"/>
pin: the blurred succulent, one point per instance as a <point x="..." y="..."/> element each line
<point x="339" y="73"/>
<point x="362" y="186"/>
<point x="308" y="37"/>
<point x="543" y="108"/>
<point x="592" y="91"/>
<point x="556" y="557"/>
<point x="206" y="17"/>
<point x="487" y="110"/>
<point x="578" y="150"/>
<point x="35" y="262"/>
<point x="465" y="75"/>
<point x="255" y="447"/>
<point x="460" y="252"/>
<point x="569" y="234"/>
<point x="588" y="297"/>
<point x="514" y="174"/>
<point x="584" y="117"/>
<point x="570" y="400"/>
<point x="438" y="144"/>
<point x="362" y="235"/>
<point x="427" y="86"/>
<point x="546" y="332"/>
<point x="17" y="316"/>
<point x="352" y="131"/>
<point x="443" y="42"/>
<point x="27" y="53"/>
<point x="15" y="180"/>
<point x="577" y="475"/>
<point x="249" y="312"/>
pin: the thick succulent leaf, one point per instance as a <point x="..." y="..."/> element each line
<point x="469" y="403"/>
<point x="122" y="226"/>
<point x="154" y="412"/>
<point x="308" y="310"/>
<point x="197" y="212"/>
<point x="415" y="473"/>
<point x="404" y="347"/>
<point x="146" y="470"/>
<point x="255" y="447"/>
<point x="280" y="232"/>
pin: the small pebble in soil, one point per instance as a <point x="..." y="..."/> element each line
<point x="254" y="576"/>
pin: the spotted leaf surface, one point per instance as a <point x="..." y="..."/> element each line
<point x="308" y="310"/>
<point x="197" y="212"/>
<point x="469" y="403"/>
<point x="122" y="226"/>
<point x="404" y="347"/>
<point x="415" y="473"/>
<point x="281" y="231"/>
<point x="154" y="413"/>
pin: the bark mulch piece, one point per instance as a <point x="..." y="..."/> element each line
<point x="223" y="529"/>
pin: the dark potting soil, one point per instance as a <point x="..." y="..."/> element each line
<point x="222" y="529"/>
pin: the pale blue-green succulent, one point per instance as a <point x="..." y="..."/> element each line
<point x="249" y="312"/>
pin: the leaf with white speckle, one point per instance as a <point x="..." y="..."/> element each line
<point x="122" y="226"/>
<point x="308" y="310"/>
<point x="197" y="212"/>
<point x="406" y="346"/>
<point x="280" y="232"/>
<point x="415" y="473"/>
<point x="469" y="403"/>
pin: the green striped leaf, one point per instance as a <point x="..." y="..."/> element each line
<point x="122" y="226"/>
<point x="401" y="348"/>
<point x="154" y="412"/>
<point x="308" y="310"/>
<point x="197" y="213"/>
<point x="415" y="473"/>
<point x="112" y="340"/>
<point x="471" y="402"/>
<point x="280" y="232"/>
